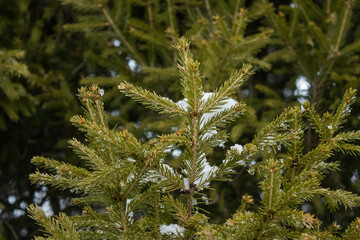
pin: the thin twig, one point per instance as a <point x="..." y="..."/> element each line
<point x="152" y="31"/>
<point x="172" y="28"/>
<point x="138" y="177"/>
<point x="208" y="8"/>
<point x="11" y="230"/>
<point x="122" y="37"/>
<point x="342" y="26"/>
<point x="271" y="188"/>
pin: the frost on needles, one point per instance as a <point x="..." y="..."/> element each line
<point x="128" y="191"/>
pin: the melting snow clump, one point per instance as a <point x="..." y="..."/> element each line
<point x="226" y="104"/>
<point x="172" y="229"/>
<point x="238" y="148"/>
<point x="186" y="183"/>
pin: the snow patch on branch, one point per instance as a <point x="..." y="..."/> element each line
<point x="237" y="147"/>
<point x="206" y="173"/>
<point x="186" y="183"/>
<point x="183" y="104"/>
<point x="225" y="104"/>
<point x="172" y="230"/>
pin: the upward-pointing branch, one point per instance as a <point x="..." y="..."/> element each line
<point x="122" y="37"/>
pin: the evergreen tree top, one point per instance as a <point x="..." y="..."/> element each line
<point x="131" y="190"/>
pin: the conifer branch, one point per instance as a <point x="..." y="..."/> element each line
<point x="300" y="189"/>
<point x="297" y="219"/>
<point x="151" y="22"/>
<point x="241" y="20"/>
<point x="314" y="118"/>
<point x="320" y="36"/>
<point x="281" y="28"/>
<point x="86" y="6"/>
<point x="348" y="148"/>
<point x="88" y="200"/>
<point x="140" y="174"/>
<point x="194" y="152"/>
<point x="264" y="224"/>
<point x="344" y="109"/>
<point x="208" y="8"/>
<point x="328" y="3"/>
<point x="100" y="111"/>
<point x="152" y="100"/>
<point x="347" y="136"/>
<point x="177" y="138"/>
<point x="335" y="52"/>
<point x="293" y="22"/>
<point x="86" y="26"/>
<point x="122" y="37"/>
<point x="342" y="26"/>
<point x="334" y="198"/>
<point x="177" y="208"/>
<point x="270" y="135"/>
<point x="213" y="138"/>
<point x="87" y="154"/>
<point x="271" y="188"/>
<point x="190" y="76"/>
<point x="60" y="227"/>
<point x="172" y="180"/>
<point x="58" y="167"/>
<point x="90" y="111"/>
<point x="171" y="20"/>
<point x="352" y="232"/>
<point x="225" y="116"/>
<point x="317" y="155"/>
<point x="301" y="6"/>
<point x="228" y="88"/>
<point x="352" y="47"/>
<point x="324" y="74"/>
<point x="245" y="200"/>
<point x="56" y="181"/>
<point x="124" y="218"/>
<point x="294" y="149"/>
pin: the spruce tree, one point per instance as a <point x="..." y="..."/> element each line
<point x="225" y="34"/>
<point x="57" y="59"/>
<point x="129" y="189"/>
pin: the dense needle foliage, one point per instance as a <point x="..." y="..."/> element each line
<point x="130" y="190"/>
<point x="300" y="50"/>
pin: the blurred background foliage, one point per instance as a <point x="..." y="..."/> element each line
<point x="301" y="50"/>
